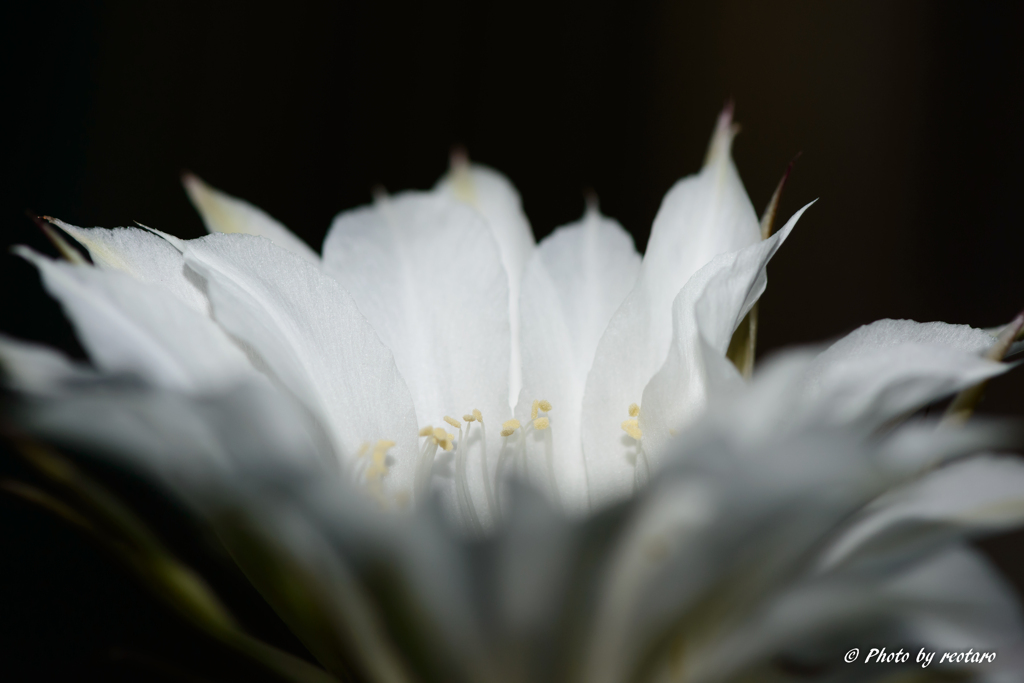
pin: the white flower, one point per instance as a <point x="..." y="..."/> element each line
<point x="408" y="328"/>
<point x="434" y="349"/>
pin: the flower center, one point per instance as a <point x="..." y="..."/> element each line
<point x="512" y="454"/>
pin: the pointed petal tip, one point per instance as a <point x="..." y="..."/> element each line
<point x="458" y="158"/>
<point x="1005" y="339"/>
<point x="45" y="224"/>
<point x="721" y="140"/>
<point x="197" y="189"/>
<point x="728" y="110"/>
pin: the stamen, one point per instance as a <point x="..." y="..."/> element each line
<point x="453" y="422"/>
<point x="522" y="451"/>
<point x="534" y="409"/>
<point x="632" y="427"/>
<point x="488" y="489"/>
<point x="549" y="456"/>
<point x="545" y="405"/>
<point x="377" y="469"/>
<point x="508" y="427"/>
<point x="424" y="470"/>
<point x="444" y="439"/>
<point x="427" y="431"/>
<point x="541" y="423"/>
<point x="634" y="410"/>
<point x="468" y="418"/>
<point x="462" y="485"/>
<point x="642" y="470"/>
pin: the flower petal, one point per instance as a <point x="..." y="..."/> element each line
<point x="136" y="327"/>
<point x="572" y="285"/>
<point x="314" y="340"/>
<point x="701" y="216"/>
<point x="705" y="314"/>
<point x="491" y="193"/>
<point x="36" y="369"/>
<point x="143" y="255"/>
<point x="426" y="272"/>
<point x="891" y="367"/>
<point x="223" y="213"/>
<point x="982" y="494"/>
<point x="205" y="448"/>
<point x="948" y="601"/>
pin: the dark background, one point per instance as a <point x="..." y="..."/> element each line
<point x="909" y="115"/>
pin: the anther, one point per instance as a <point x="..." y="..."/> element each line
<point x="468" y="418"/>
<point x="545" y="406"/>
<point x="541" y="423"/>
<point x="427" y="431"/>
<point x="453" y="422"/>
<point x="534" y="409"/>
<point x="634" y="410"/>
<point x="508" y="427"/>
<point x="478" y="415"/>
<point x="632" y="427"/>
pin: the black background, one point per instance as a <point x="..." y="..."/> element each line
<point x="909" y="115"/>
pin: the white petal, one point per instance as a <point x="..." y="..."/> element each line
<point x="37" y="369"/>
<point x="705" y="314"/>
<point x="491" y="193"/>
<point x="143" y="255"/>
<point x="315" y="341"/>
<point x="702" y="216"/>
<point x="890" y="367"/>
<point x="223" y="213"/>
<point x="984" y="493"/>
<point x="426" y="271"/>
<point x="132" y="326"/>
<point x="572" y="285"/>
<point x="208" y="448"/>
<point x="949" y="600"/>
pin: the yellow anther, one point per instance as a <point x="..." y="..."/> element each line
<point x="478" y="415"/>
<point x="534" y="409"/>
<point x="427" y="431"/>
<point x="508" y="427"/>
<point x="453" y="422"/>
<point x="378" y="466"/>
<point x="541" y="423"/>
<point x="376" y="470"/>
<point x="545" y="406"/>
<point x="634" y="410"/>
<point x="439" y="433"/>
<point x="445" y="440"/>
<point x="468" y="418"/>
<point x="632" y="427"/>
